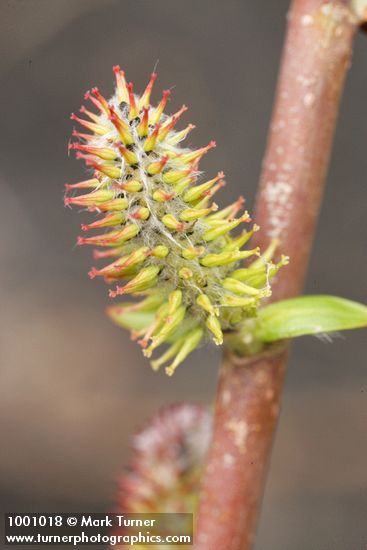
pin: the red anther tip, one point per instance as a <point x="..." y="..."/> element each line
<point x="166" y="93"/>
<point x="82" y="109"/>
<point x="80" y="241"/>
<point x="73" y="116"/>
<point x="67" y="200"/>
<point x="88" y="161"/>
<point x="212" y="144"/>
<point x="84" y="227"/>
<point x="116" y="68"/>
<point x="120" y="146"/>
<point x="169" y="196"/>
<point x="112" y="294"/>
<point x="221" y="175"/>
<point x="153" y="76"/>
<point x="67" y="186"/>
<point x="92" y="273"/>
<point x="143" y="343"/>
<point x="87" y="95"/>
<point x="95" y="90"/>
<point x="130" y="86"/>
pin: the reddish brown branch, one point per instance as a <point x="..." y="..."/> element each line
<point x="245" y="417"/>
<point x="315" y="60"/>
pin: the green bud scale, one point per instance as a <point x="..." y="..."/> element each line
<point x="167" y="243"/>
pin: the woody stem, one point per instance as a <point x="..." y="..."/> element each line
<point x="315" y="60"/>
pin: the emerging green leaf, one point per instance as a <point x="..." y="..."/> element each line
<point x="308" y="315"/>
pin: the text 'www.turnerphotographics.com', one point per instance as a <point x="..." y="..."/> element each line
<point x="98" y="529"/>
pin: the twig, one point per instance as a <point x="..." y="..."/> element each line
<point x="315" y="59"/>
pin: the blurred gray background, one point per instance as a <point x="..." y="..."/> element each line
<point x="73" y="386"/>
